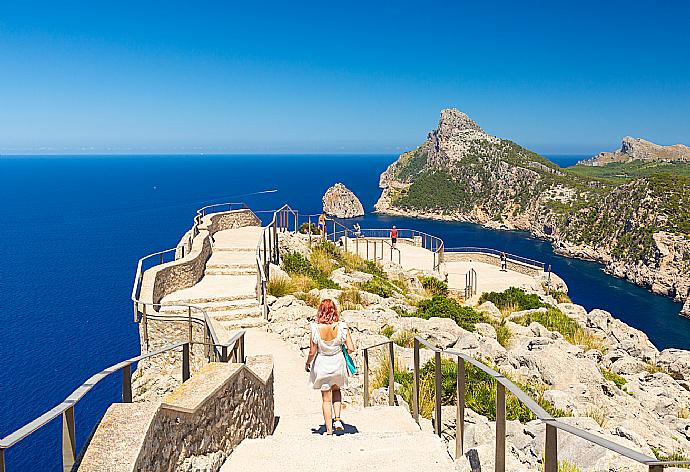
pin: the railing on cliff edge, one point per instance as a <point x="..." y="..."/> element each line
<point x="66" y="408"/>
<point x="145" y="311"/>
<point x="533" y="263"/>
<point x="550" y="461"/>
<point x="232" y="349"/>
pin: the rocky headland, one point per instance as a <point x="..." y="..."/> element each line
<point x="636" y="149"/>
<point x="588" y="368"/>
<point x="341" y="202"/>
<point x="632" y="216"/>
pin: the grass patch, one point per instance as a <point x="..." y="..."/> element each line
<point x="309" y="298"/>
<point x="322" y="262"/>
<point x="280" y="286"/>
<point x="555" y="320"/>
<point x="387" y="331"/>
<point x="378" y="286"/>
<point x="404" y="338"/>
<point x="597" y="414"/>
<point x="433" y="286"/>
<point x="295" y="263"/>
<point x="560" y="297"/>
<point x="613" y="377"/>
<point x="351" y="296"/>
<point x="480" y="392"/>
<point x="674" y="456"/>
<point x="684" y="413"/>
<point x="443" y="307"/>
<point x="503" y="333"/>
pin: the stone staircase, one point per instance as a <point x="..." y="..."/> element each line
<point x="377" y="438"/>
<point x="380" y="438"/>
<point x="228" y="289"/>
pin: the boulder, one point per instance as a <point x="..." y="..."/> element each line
<point x="349" y="279"/>
<point x="339" y="201"/>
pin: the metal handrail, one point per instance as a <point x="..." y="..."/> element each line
<point x="495" y="252"/>
<point x="428" y="241"/>
<point x="138" y="278"/>
<point x="267" y="250"/>
<point x="502" y="383"/>
<point x="66" y="408"/>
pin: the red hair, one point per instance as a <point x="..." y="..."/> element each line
<point x="327" y="312"/>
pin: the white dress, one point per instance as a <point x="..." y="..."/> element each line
<point x="328" y="368"/>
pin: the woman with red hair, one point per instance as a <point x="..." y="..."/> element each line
<point x="326" y="361"/>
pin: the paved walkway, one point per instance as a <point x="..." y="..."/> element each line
<point x="489" y="277"/>
<point x="382" y="438"/>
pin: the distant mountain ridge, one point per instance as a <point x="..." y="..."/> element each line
<point x="637" y="149"/>
<point x="636" y="224"/>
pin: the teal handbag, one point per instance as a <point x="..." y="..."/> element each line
<point x="349" y="362"/>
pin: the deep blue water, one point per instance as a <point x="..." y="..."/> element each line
<point x="73" y="229"/>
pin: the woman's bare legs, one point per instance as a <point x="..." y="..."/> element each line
<point x="326" y="406"/>
<point x="337" y="400"/>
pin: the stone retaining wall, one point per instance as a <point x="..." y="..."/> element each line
<point x="159" y="374"/>
<point x="490" y="259"/>
<point x="195" y="427"/>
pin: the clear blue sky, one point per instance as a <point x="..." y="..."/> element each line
<point x="154" y="76"/>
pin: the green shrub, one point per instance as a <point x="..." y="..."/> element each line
<point x="378" y="286"/>
<point x="402" y="311"/>
<point x="480" y="391"/>
<point x="434" y="286"/>
<point x="305" y="227"/>
<point x="613" y="377"/>
<point x="295" y="263"/>
<point x="561" y="297"/>
<point x="513" y="297"/>
<point x="387" y="331"/>
<point x="443" y="307"/>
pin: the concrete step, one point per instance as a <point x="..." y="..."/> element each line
<point x="351" y="452"/>
<point x="231" y="315"/>
<point x="234" y="249"/>
<point x="244" y="323"/>
<point x="218" y="306"/>
<point x="230" y="271"/>
<point x="230" y="265"/>
<point x="231" y="257"/>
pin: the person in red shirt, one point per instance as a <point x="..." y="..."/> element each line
<point x="394" y="236"/>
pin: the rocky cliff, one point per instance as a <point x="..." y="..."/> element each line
<point x="635" y="149"/>
<point x="637" y="225"/>
<point x="339" y="201"/>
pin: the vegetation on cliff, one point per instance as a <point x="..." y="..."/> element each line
<point x="610" y="213"/>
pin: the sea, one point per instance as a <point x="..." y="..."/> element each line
<point x="73" y="228"/>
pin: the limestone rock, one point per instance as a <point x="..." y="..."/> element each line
<point x="339" y="201"/>
<point x="637" y="149"/>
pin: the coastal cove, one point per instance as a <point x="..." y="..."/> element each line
<point x="72" y="239"/>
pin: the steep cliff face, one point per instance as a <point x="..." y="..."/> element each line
<point x="635" y="149"/>
<point x="637" y="226"/>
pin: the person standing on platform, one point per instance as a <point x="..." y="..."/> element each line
<point x="394" y="236"/>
